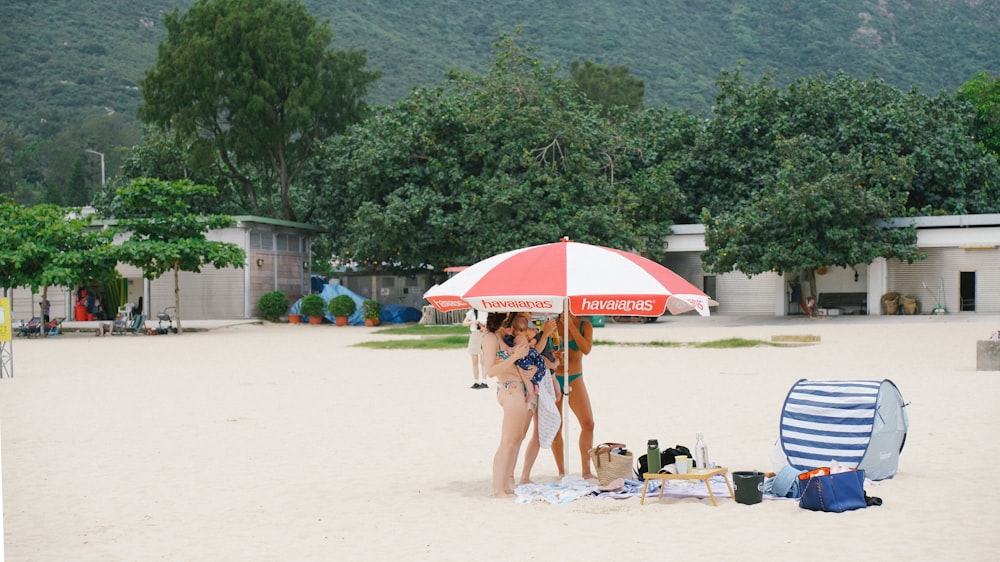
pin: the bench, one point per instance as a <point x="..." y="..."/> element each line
<point x="846" y="301"/>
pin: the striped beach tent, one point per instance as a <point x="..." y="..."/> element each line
<point x="860" y="424"/>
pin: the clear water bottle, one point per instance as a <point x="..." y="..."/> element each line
<point x="653" y="456"/>
<point x="701" y="452"/>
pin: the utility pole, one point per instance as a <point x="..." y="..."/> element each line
<point x="101" y="154"/>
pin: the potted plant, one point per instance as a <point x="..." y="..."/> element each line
<point x="272" y="305"/>
<point x="370" y="311"/>
<point x="312" y="306"/>
<point x="341" y="306"/>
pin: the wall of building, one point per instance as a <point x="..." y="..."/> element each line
<point x="937" y="280"/>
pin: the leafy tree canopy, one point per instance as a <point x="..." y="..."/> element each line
<point x="983" y="92"/>
<point x="486" y="163"/>
<point x="609" y="86"/>
<point x="257" y="81"/>
<point x="736" y="154"/>
<point x="816" y="210"/>
<point x="45" y="245"/>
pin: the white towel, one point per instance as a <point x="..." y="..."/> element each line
<point x="548" y="413"/>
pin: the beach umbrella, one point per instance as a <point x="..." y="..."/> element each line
<point x="586" y="279"/>
<point x="592" y="280"/>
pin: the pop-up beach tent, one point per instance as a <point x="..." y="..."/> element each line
<point x="860" y="424"/>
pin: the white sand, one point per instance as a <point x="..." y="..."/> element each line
<point x="283" y="443"/>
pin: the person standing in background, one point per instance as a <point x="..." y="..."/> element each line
<point x="472" y="322"/>
<point x="44" y="305"/>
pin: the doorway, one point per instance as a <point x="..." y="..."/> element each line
<point x="967" y="290"/>
<point x="708" y="286"/>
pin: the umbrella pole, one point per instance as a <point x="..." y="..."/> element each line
<point x="565" y="396"/>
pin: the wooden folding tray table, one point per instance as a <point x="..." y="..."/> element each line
<point x="702" y="474"/>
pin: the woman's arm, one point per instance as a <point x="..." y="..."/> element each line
<point x="543" y="336"/>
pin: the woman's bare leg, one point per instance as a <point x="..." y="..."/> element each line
<point x="511" y="435"/>
<point x="579" y="403"/>
<point x="530" y="452"/>
<point x="557" y="445"/>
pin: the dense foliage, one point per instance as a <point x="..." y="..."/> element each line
<point x="983" y="92"/>
<point x="41" y="246"/>
<point x="737" y="153"/>
<point x="483" y="163"/>
<point x="72" y="67"/>
<point x="785" y="172"/>
<point x="794" y="178"/>
<point x="609" y="86"/>
<point x="255" y="81"/>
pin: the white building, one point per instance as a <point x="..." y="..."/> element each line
<point x="961" y="274"/>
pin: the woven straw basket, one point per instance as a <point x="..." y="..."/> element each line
<point x="890" y="302"/>
<point x="611" y="465"/>
<point x="909" y="305"/>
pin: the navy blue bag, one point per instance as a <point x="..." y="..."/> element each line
<point x="834" y="493"/>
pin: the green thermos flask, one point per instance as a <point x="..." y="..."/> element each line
<point x="653" y="456"/>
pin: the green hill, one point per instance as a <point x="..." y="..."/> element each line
<point x="66" y="59"/>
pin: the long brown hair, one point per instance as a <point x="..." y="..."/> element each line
<point x="495" y="321"/>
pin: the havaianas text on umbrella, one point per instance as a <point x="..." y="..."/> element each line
<point x="517" y="304"/>
<point x="617" y="305"/>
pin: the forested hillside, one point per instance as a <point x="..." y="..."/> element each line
<point x="63" y="59"/>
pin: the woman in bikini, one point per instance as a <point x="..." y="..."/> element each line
<point x="581" y="337"/>
<point x="499" y="361"/>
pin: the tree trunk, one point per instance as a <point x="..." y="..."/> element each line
<point x="808" y="300"/>
<point x="177" y="296"/>
<point x="41" y="311"/>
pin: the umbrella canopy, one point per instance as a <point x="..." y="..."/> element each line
<point x="594" y="280"/>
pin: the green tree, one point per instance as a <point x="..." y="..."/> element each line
<point x="166" y="233"/>
<point x="46" y="245"/>
<point x="11" y="156"/>
<point x="736" y="154"/>
<point x="255" y="80"/>
<point x="482" y="164"/>
<point x="983" y="92"/>
<point x="817" y="210"/>
<point x="609" y="86"/>
<point x="171" y="157"/>
<point x="75" y="193"/>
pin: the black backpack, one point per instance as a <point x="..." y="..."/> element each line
<point x="667" y="456"/>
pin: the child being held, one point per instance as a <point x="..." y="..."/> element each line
<point x="521" y="333"/>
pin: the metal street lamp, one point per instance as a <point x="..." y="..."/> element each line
<point x="101" y="154"/>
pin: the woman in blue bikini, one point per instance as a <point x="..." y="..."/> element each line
<point x="499" y="361"/>
<point x="581" y="338"/>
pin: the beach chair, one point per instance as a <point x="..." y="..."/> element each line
<point x="54" y="327"/>
<point x="136" y="326"/>
<point x="29" y="330"/>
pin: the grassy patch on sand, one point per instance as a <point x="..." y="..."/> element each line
<point x="456" y="337"/>
<point x="437" y="342"/>
<point x="732" y="343"/>
<point x="421" y="330"/>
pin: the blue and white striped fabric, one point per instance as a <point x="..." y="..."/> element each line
<point x="824" y="421"/>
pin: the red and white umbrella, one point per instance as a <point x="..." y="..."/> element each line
<point x="593" y="279"/>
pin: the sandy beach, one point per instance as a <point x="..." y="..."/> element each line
<point x="281" y="442"/>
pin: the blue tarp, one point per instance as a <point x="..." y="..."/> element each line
<point x="399" y="314"/>
<point x="390" y="313"/>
